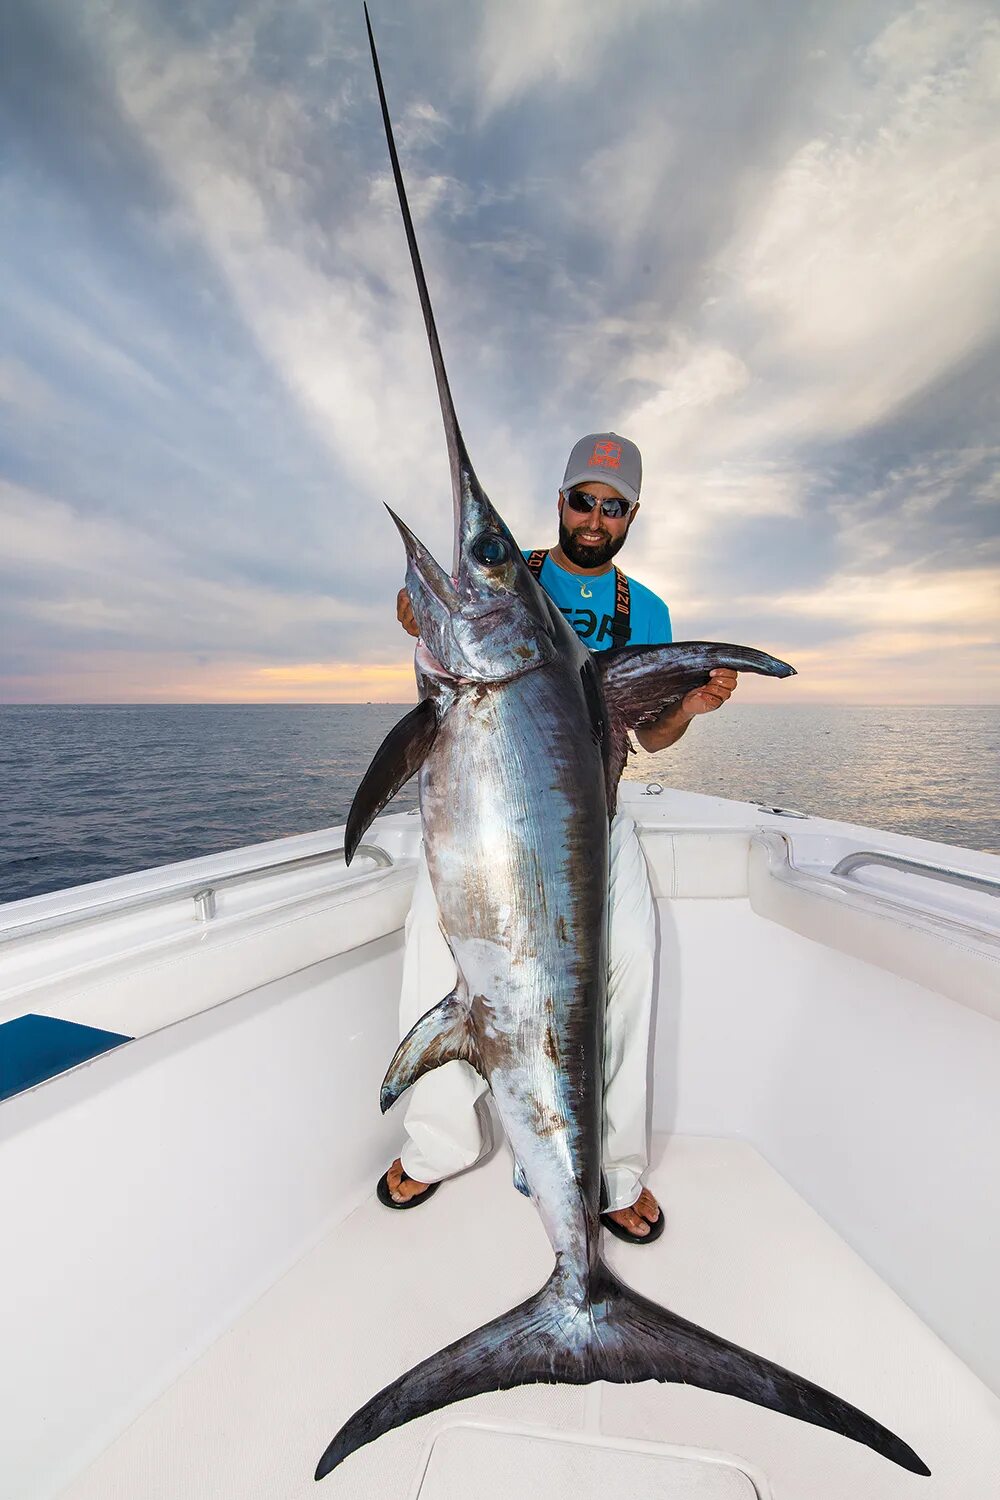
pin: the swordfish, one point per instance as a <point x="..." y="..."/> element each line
<point x="520" y="737"/>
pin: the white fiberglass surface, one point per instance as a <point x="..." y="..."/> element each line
<point x="742" y="1254"/>
<point x="152" y="1194"/>
<point x="875" y="1098"/>
<point x="564" y="1468"/>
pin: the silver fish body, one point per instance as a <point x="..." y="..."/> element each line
<point x="513" y="803"/>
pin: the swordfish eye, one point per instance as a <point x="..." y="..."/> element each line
<point x="490" y="549"/>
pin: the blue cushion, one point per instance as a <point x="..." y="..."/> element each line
<point x="36" y="1047"/>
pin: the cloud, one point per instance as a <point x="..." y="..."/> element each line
<point x="759" y="242"/>
<point x="900" y="600"/>
<point x="107" y="585"/>
<point x="422" y="124"/>
<point x="872" y="267"/>
<point x="524" y="45"/>
<point x="27" y="394"/>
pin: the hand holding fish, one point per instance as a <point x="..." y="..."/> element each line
<point x="662" y="732"/>
<point x="717" y="690"/>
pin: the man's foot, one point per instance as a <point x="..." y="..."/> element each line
<point x="401" y="1187"/>
<point x="397" y="1190"/>
<point x="640" y="1223"/>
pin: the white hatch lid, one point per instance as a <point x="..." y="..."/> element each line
<point x="497" y="1463"/>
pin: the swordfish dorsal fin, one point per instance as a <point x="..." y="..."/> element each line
<point x="639" y="682"/>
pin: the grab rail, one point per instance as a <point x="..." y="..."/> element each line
<point x="963" y="878"/>
<point x="201" y="892"/>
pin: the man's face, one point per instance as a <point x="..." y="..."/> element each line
<point x="591" y="541"/>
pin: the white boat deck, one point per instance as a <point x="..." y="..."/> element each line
<point x="845" y="1024"/>
<point x="742" y="1254"/>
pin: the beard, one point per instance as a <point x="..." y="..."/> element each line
<point x="589" y="555"/>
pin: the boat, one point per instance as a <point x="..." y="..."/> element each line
<point x="198" y="1285"/>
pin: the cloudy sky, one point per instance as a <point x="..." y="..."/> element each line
<point x="761" y="239"/>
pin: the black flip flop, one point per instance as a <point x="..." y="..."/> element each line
<point x="620" y="1232"/>
<point x="384" y="1196"/>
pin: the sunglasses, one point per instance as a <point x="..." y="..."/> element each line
<point x="615" y="509"/>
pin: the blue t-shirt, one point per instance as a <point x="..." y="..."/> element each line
<point x="589" y="605"/>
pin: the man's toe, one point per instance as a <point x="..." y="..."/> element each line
<point x="630" y="1220"/>
<point x="648" y="1206"/>
<point x="410" y="1189"/>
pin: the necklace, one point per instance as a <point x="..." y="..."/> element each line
<point x="585" y="593"/>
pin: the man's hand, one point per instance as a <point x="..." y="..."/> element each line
<point x="720" y="685"/>
<point x="668" y="728"/>
<point x="408" y="620"/>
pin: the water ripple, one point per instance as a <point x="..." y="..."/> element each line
<point x="94" y="791"/>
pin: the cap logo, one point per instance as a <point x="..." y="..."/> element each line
<point x="606" y="456"/>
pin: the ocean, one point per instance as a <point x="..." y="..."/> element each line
<point x="93" y="791"/>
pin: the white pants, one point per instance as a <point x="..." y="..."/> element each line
<point x="447" y="1123"/>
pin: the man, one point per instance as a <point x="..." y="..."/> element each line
<point x="447" y="1128"/>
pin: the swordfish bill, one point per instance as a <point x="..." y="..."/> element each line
<point x="518" y="739"/>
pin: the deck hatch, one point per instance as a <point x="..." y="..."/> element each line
<point x="33" y="1048"/>
<point x="493" y="1464"/>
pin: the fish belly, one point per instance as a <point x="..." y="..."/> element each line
<point x="515" y="827"/>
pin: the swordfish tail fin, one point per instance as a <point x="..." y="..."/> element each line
<point x="614" y="1335"/>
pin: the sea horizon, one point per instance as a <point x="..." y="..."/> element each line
<point x="93" y="790"/>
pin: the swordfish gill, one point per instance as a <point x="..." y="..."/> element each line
<point x="520" y="737"/>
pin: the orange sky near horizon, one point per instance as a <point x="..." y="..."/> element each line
<point x="881" y="669"/>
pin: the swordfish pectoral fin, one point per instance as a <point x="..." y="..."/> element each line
<point x="443" y="1035"/>
<point x="400" y="756"/>
<point x="619" y="1336"/>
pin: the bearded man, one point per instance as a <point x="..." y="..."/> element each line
<point x="446" y="1123"/>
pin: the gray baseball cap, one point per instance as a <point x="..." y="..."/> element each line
<point x="608" y="458"/>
